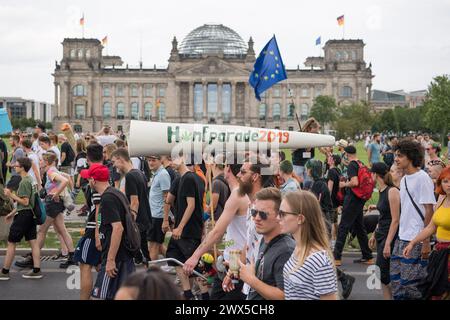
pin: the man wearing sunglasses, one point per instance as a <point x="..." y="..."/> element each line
<point x="265" y="274"/>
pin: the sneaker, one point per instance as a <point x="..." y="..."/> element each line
<point x="32" y="275"/>
<point x="60" y="257"/>
<point x="4" y="277"/>
<point x="69" y="262"/>
<point x="25" y="263"/>
<point x="338" y="263"/>
<point x="365" y="261"/>
<point x="347" y="282"/>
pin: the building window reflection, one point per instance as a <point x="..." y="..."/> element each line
<point x="162" y="112"/>
<point x="120" y="110"/>
<point x="120" y="91"/>
<point x="134" y="111"/>
<point x="262" y="111"/>
<point x="346" y="92"/>
<point x="304" y="112"/>
<point x="212" y="102"/>
<point x="134" y="91"/>
<point x="79" y="91"/>
<point x="276" y="112"/>
<point x="291" y="111"/>
<point x="226" y="103"/>
<point x="198" y="101"/>
<point x="107" y="110"/>
<point x="148" y="111"/>
<point x="106" y="91"/>
<point x="80" y="111"/>
<point x="162" y="92"/>
<point x="148" y="88"/>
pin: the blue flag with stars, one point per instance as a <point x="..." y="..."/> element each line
<point x="268" y="69"/>
<point x="318" y="41"/>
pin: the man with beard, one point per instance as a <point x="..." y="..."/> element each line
<point x="233" y="221"/>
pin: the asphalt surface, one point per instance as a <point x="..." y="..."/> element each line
<point x="59" y="284"/>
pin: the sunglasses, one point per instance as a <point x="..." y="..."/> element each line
<point x="283" y="214"/>
<point x="263" y="215"/>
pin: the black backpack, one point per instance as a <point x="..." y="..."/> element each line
<point x="70" y="155"/>
<point x="132" y="234"/>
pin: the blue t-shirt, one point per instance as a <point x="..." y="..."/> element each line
<point x="376" y="152"/>
<point x="160" y="184"/>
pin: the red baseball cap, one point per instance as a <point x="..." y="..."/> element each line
<point x="97" y="171"/>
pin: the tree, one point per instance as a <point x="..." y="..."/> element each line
<point x="353" y="119"/>
<point x="324" y="109"/>
<point x="437" y="103"/>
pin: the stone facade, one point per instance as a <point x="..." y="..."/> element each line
<point x="92" y="90"/>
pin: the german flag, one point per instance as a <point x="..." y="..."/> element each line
<point x="340" y="20"/>
<point x="105" y="40"/>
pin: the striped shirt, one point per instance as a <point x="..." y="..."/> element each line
<point x="315" y="278"/>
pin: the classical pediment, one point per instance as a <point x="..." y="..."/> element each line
<point x="212" y="66"/>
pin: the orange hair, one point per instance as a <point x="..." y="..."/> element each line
<point x="445" y="174"/>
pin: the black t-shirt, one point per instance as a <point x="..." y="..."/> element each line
<point x="136" y="185"/>
<point x="190" y="186"/>
<point x="174" y="191"/>
<point x="4" y="149"/>
<point x="270" y="264"/>
<point x="320" y="189"/>
<point x="111" y="210"/>
<point x="352" y="171"/>
<point x="301" y="156"/>
<point x="67" y="149"/>
<point x="334" y="175"/>
<point x="113" y="174"/>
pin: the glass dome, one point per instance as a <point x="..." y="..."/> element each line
<point x="213" y="39"/>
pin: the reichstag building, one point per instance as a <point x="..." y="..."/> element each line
<point x="206" y="81"/>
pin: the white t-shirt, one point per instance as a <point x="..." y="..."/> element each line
<point x="58" y="153"/>
<point x="104" y="140"/>
<point x="136" y="163"/>
<point x="34" y="159"/>
<point x="421" y="188"/>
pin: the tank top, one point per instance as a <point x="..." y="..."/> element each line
<point x="441" y="219"/>
<point x="383" y="206"/>
<point x="236" y="236"/>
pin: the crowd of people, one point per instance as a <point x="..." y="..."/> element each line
<point x="287" y="230"/>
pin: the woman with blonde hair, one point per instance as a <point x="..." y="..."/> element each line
<point x="309" y="274"/>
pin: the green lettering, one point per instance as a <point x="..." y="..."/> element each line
<point x="212" y="137"/>
<point x="255" y="136"/>
<point x="171" y="133"/>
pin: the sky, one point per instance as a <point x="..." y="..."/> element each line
<point x="407" y="42"/>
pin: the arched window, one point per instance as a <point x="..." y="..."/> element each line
<point x="262" y="111"/>
<point x="276" y="112"/>
<point x="120" y="110"/>
<point x="148" y="111"/>
<point x="304" y="109"/>
<point x="80" y="53"/>
<point x="347" y="91"/>
<point x="78" y="91"/>
<point x="291" y="111"/>
<point x="73" y="54"/>
<point x="162" y="112"/>
<point x="107" y="110"/>
<point x="88" y="54"/>
<point x="134" y="111"/>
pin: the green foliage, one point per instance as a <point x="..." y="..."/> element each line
<point x="437" y="116"/>
<point x="324" y="109"/>
<point x="353" y="119"/>
<point x="23" y="123"/>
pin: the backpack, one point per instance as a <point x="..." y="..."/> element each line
<point x="145" y="169"/>
<point x="70" y="155"/>
<point x="132" y="235"/>
<point x="366" y="184"/>
<point x="39" y="211"/>
<point x="6" y="205"/>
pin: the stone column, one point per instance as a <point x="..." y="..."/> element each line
<point x="68" y="110"/>
<point x="205" y="100"/>
<point x="284" y="103"/>
<point x="177" y="105"/>
<point x="113" y="101"/>
<point x="247" y="110"/>
<point x="56" y="99"/>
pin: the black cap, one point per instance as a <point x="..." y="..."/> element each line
<point x="350" y="149"/>
<point x="379" y="168"/>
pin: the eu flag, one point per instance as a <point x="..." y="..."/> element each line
<point x="318" y="41"/>
<point x="268" y="69"/>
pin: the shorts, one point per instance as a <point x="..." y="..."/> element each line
<point x="155" y="233"/>
<point x="105" y="287"/>
<point x="24" y="225"/>
<point x="13" y="183"/>
<point x="181" y="249"/>
<point x="53" y="208"/>
<point x="87" y="253"/>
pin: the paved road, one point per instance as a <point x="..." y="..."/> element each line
<point x="56" y="283"/>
